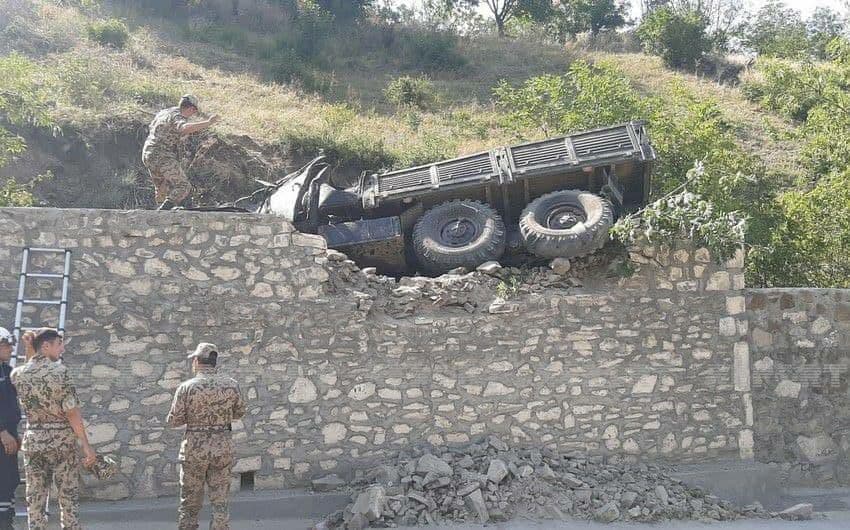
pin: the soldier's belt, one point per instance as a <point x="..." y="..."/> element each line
<point x="208" y="428"/>
<point x="48" y="426"/>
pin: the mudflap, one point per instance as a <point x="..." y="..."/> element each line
<point x="375" y="243"/>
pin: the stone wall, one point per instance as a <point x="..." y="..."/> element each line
<point x="800" y="346"/>
<point x="342" y="368"/>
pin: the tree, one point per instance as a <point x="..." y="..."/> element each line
<point x="504" y="11"/>
<point x="677" y="35"/>
<point x="777" y="31"/>
<point x="723" y="18"/>
<point x="577" y="16"/>
<point x="344" y="9"/>
<point x="823" y="26"/>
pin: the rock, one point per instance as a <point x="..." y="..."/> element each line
<point x="545" y="472"/>
<point x="429" y="463"/>
<point x="627" y="499"/>
<point x="607" y="513"/>
<point x="571" y="481"/>
<point x="552" y="511"/>
<point x="497" y="471"/>
<point x="497" y="444"/>
<point x="458" y="271"/>
<point x="422" y="499"/>
<point x="328" y="483"/>
<point x="489" y="267"/>
<point x="634" y="512"/>
<point x="560" y="266"/>
<point x="798" y="512"/>
<point x="357" y="522"/>
<point x="475" y="503"/>
<point x="370" y="503"/>
<point x="369" y="271"/>
<point x="467" y="488"/>
<point x="661" y="493"/>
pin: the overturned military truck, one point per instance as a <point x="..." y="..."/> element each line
<point x="552" y="198"/>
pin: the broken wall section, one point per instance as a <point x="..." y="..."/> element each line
<point x="343" y="369"/>
<point x="800" y="339"/>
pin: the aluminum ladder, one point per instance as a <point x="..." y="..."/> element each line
<point x="19" y="354"/>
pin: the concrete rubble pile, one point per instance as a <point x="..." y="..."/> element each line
<point x="490" y="482"/>
<point x="487" y="289"/>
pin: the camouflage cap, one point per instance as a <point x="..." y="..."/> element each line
<point x="104" y="467"/>
<point x="190" y="99"/>
<point x="203" y="351"/>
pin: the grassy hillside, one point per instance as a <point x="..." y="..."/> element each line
<point x="284" y="97"/>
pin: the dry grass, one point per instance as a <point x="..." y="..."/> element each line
<point x="760" y="133"/>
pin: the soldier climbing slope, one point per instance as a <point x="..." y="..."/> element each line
<point x="205" y="404"/>
<point x="54" y="424"/>
<point x="161" y="152"/>
<point x="10" y="416"/>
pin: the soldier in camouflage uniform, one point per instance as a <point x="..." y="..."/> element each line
<point x="54" y="424"/>
<point x="205" y="404"/>
<point x="161" y="152"/>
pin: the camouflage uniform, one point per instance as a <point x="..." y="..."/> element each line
<point x="50" y="449"/>
<point x="161" y="155"/>
<point x="206" y="404"/>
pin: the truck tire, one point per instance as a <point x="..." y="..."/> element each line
<point x="566" y="224"/>
<point x="458" y="233"/>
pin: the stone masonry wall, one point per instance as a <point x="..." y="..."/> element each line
<point x="800" y="346"/>
<point x="341" y="368"/>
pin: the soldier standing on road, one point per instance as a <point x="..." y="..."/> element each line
<point x="54" y="424"/>
<point x="161" y="152"/>
<point x="206" y="405"/>
<point x="10" y="416"/>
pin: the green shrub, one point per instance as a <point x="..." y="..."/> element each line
<point x="587" y="96"/>
<point x="23" y="101"/>
<point x="428" y="50"/>
<point x="678" y="36"/>
<point x="407" y="91"/>
<point x="110" y="32"/>
<point x="14" y="194"/>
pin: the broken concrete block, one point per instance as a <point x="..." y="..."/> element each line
<point x="497" y="471"/>
<point x="607" y="513"/>
<point x="429" y="463"/>
<point x="798" y="512"/>
<point x="475" y="502"/>
<point x="370" y="503"/>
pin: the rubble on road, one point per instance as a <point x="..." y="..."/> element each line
<point x="489" y="482"/>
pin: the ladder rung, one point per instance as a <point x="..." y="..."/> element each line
<point x="43" y="275"/>
<point x="57" y="250"/>
<point x="43" y="302"/>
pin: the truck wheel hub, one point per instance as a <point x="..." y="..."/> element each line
<point x="458" y="232"/>
<point x="564" y="217"/>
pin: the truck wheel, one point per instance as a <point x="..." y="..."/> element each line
<point x="566" y="224"/>
<point x="458" y="234"/>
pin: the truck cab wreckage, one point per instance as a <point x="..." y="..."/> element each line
<point x="551" y="198"/>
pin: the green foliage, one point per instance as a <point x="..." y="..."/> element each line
<point x="407" y="91"/>
<point x="587" y="96"/>
<point x="23" y="101"/>
<point x="685" y="215"/>
<point x="809" y="248"/>
<point x="571" y="17"/>
<point x="678" y="36"/>
<point x="428" y="50"/>
<point x="823" y="27"/>
<point x="14" y="194"/>
<point x="777" y="31"/>
<point x="110" y="32"/>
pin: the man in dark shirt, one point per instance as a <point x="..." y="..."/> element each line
<point x="10" y="416"/>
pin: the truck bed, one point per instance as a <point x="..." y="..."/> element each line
<point x="624" y="147"/>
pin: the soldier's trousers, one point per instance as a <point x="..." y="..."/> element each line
<point x="9" y="479"/>
<point x="169" y="179"/>
<point x="57" y="465"/>
<point x="215" y="474"/>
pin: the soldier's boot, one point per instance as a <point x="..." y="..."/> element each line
<point x="166" y="205"/>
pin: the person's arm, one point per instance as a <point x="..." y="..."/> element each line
<point x="177" y="415"/>
<point x="239" y="406"/>
<point x="76" y="421"/>
<point x="71" y="408"/>
<point x="197" y="126"/>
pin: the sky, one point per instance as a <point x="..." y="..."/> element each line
<point x="806" y="7"/>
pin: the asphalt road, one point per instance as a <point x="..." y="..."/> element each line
<point x="297" y="510"/>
